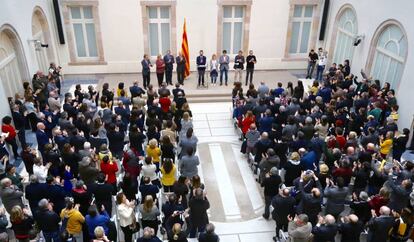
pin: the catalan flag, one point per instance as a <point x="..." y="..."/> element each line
<point x="185" y="51"/>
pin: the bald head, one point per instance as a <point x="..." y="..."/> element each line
<point x="40" y="126"/>
<point x="353" y="218"/>
<point x="370" y="146"/>
<point x="384" y="210"/>
<point x="329" y="219"/>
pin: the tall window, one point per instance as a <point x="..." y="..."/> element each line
<point x="390" y="53"/>
<point x="9" y="73"/>
<point x="233" y="17"/>
<point x="347" y="30"/>
<point x="301" y="29"/>
<point x="159" y="30"/>
<point x="84" y="31"/>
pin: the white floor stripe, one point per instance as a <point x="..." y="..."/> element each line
<point x="200" y="169"/>
<point x="248" y="179"/>
<point x="228" y="197"/>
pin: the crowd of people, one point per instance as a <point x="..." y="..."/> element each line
<point x="320" y="151"/>
<point x="133" y="148"/>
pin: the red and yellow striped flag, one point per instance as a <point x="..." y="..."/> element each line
<point x="185" y="51"/>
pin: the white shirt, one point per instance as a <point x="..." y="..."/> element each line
<point x="40" y="172"/>
<point x="126" y="215"/>
<point x="213" y="65"/>
<point x="149" y="171"/>
<point x="322" y="60"/>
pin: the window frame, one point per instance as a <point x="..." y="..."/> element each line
<point x="159" y="21"/>
<point x="246" y="4"/>
<point x="83" y="21"/>
<point x="145" y="5"/>
<point x="233" y="20"/>
<point x="375" y="50"/>
<point x="302" y="20"/>
<point x="70" y="34"/>
<point x="314" y="30"/>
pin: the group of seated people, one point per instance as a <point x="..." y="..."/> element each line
<point x="329" y="159"/>
<point x="135" y="149"/>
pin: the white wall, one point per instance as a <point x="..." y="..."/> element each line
<point x="370" y="15"/>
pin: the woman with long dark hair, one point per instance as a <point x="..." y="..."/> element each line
<point x="169" y="172"/>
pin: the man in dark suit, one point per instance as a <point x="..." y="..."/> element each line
<point x="55" y="193"/>
<point x="283" y="205"/>
<point x="169" y="63"/>
<point x="41" y="137"/>
<point x="146" y="74"/>
<point x="181" y="61"/>
<point x="176" y="90"/>
<point x="77" y="140"/>
<point x="201" y="67"/>
<point x="148" y="189"/>
<point x="271" y="185"/>
<point x="102" y="192"/>
<point x="325" y="230"/>
<point x="19" y="120"/>
<point x="34" y="192"/>
<point x="116" y="140"/>
<point x="350" y="228"/>
<point x="310" y="203"/>
<point x="136" y="90"/>
<point x="379" y="227"/>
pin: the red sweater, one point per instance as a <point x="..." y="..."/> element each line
<point x="9" y="129"/>
<point x="165" y="103"/>
<point x="109" y="170"/>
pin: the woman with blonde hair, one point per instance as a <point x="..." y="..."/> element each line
<point x="176" y="234"/>
<point x="21" y="222"/>
<point x="149" y="213"/>
<point x="100" y="235"/>
<point x="154" y="152"/>
<point x="293" y="169"/>
<point x="186" y="123"/>
<point x="213" y="69"/>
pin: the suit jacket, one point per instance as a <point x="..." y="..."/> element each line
<point x="42" y="139"/>
<point x="224" y="61"/>
<point x="180" y="63"/>
<point x="146" y="67"/>
<point x="399" y="195"/>
<point x="379" y="228"/>
<point x="11" y="197"/>
<point x="136" y="91"/>
<point x="351" y="231"/>
<point x="324" y="233"/>
<point x="335" y="202"/>
<point x="19" y="120"/>
<point x="283" y="206"/>
<point x="299" y="234"/>
<point x="169" y="62"/>
<point x="201" y="62"/>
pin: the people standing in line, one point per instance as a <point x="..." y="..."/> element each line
<point x="180" y="60"/>
<point x="323" y="58"/>
<point x="238" y="66"/>
<point x="160" y="69"/>
<point x="312" y="58"/>
<point x="169" y="65"/>
<point x="251" y="61"/>
<point x="224" y="67"/>
<point x="201" y="67"/>
<point x="213" y="69"/>
<point x="146" y="71"/>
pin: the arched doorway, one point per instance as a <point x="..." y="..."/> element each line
<point x="347" y="29"/>
<point x="41" y="35"/>
<point x="13" y="68"/>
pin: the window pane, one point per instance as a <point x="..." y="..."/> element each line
<point x="152" y="12"/>
<point x="377" y="64"/>
<point x="392" y="47"/>
<point x="90" y="32"/>
<point x="165" y="37"/>
<point x="226" y="36"/>
<point x="238" y="12"/>
<point x="227" y="11"/>
<point x="87" y="12"/>
<point x="165" y="12"/>
<point x="295" y="37"/>
<point x="306" y="26"/>
<point x="237" y="38"/>
<point x="75" y="12"/>
<point x="297" y="12"/>
<point x="391" y="72"/>
<point x="308" y="11"/>
<point x="153" y="32"/>
<point x="79" y="39"/>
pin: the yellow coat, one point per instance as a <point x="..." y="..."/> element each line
<point x="75" y="221"/>
<point x="386" y="146"/>
<point x="154" y="153"/>
<point x="168" y="179"/>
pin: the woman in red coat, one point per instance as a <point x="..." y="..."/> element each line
<point x="379" y="200"/>
<point x="109" y="168"/>
<point x="248" y="119"/>
<point x="11" y="137"/>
